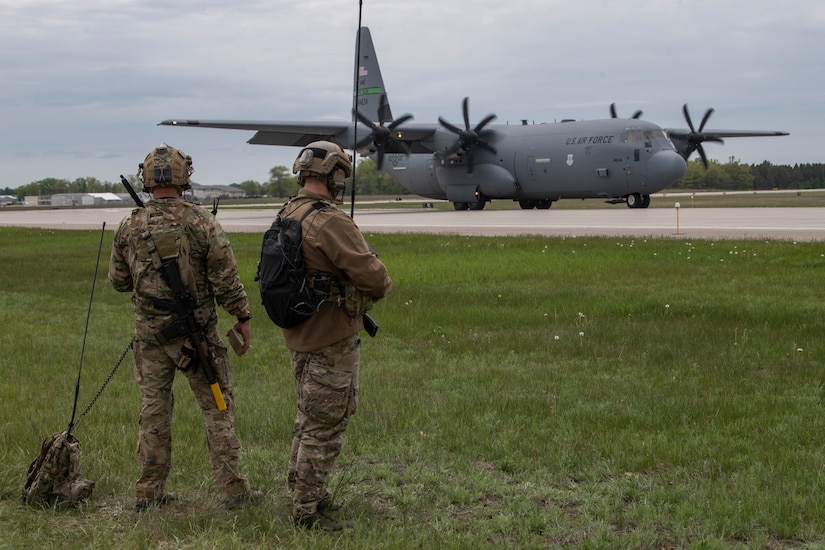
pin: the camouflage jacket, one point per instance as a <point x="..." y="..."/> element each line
<point x="333" y="243"/>
<point x="205" y="259"/>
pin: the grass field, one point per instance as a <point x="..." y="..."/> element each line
<point x="521" y="393"/>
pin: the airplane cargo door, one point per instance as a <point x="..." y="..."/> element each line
<point x="531" y="168"/>
<point x="525" y="172"/>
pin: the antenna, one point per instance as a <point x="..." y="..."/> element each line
<point x="355" y="110"/>
<point x="85" y="331"/>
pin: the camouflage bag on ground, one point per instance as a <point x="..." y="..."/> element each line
<point x="54" y="476"/>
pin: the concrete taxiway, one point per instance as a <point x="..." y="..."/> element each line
<point x="801" y="224"/>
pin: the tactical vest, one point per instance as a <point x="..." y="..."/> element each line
<point x="169" y="235"/>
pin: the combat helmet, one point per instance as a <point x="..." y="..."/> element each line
<point x="326" y="161"/>
<point x="165" y="166"/>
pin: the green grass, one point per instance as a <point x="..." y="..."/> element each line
<point x="521" y="393"/>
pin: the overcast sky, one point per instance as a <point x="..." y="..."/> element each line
<point x="84" y="84"/>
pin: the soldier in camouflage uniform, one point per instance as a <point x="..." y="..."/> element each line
<point x="325" y="349"/>
<point x="191" y="234"/>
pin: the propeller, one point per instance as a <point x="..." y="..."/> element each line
<point x="383" y="137"/>
<point x="468" y="138"/>
<point x="696" y="137"/>
<point x="637" y="114"/>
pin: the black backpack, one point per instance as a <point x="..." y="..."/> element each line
<point x="286" y="293"/>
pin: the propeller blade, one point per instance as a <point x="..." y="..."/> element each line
<point x="453" y="149"/>
<point x="465" y="107"/>
<point x="381" y="137"/>
<point x="364" y="142"/>
<point x="399" y="121"/>
<point x="468" y="138"/>
<point x="687" y="118"/>
<point x="704" y="157"/>
<point x="485" y="122"/>
<point x="637" y="114"/>
<point x="696" y="138"/>
<point x="705" y="119"/>
<point x="449" y="126"/>
<point x="364" y="120"/>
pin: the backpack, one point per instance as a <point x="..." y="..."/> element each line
<point x="286" y="293"/>
<point x="54" y="476"/>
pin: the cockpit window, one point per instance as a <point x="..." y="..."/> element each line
<point x="638" y="135"/>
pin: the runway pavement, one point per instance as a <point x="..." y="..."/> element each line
<point x="801" y="224"/>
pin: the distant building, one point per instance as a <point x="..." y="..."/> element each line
<point x="6" y="200"/>
<point x="85" y="199"/>
<point x="205" y="192"/>
<point x="76" y="199"/>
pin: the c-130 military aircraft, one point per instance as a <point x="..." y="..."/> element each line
<point x="616" y="159"/>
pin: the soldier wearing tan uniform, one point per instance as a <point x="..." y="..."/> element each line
<point x="325" y="349"/>
<point x="189" y="234"/>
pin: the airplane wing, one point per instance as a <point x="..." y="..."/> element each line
<point x="301" y="133"/>
<point x="712" y="135"/>
<point x="288" y="134"/>
<point x="688" y="141"/>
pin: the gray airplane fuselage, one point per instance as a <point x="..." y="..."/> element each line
<point x="610" y="158"/>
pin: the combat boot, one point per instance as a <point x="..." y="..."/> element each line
<point x="144" y="504"/>
<point x="328" y="505"/>
<point x="322" y="522"/>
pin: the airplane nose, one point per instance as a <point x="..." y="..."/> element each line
<point x="665" y="168"/>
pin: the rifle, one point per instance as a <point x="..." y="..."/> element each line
<point x="184" y="307"/>
<point x="131" y="191"/>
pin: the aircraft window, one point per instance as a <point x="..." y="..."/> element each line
<point x="631" y="135"/>
<point x="637" y="135"/>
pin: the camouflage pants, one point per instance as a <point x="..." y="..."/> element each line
<point x="155" y="367"/>
<point x="326" y="384"/>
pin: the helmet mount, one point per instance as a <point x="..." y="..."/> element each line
<point x="326" y="161"/>
<point x="165" y="166"/>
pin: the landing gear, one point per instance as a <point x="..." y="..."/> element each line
<point x="637" y="200"/>
<point x="478" y="204"/>
<point x="541" y="204"/>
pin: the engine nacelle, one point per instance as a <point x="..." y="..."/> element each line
<point x="490" y="180"/>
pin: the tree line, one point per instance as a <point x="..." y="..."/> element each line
<point x="731" y="175"/>
<point x="735" y="176"/>
<point x="282" y="183"/>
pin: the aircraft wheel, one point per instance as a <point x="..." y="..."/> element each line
<point x="645" y="201"/>
<point x="633" y="200"/>
<point x="527" y="205"/>
<point x="544" y="204"/>
<point x="477" y="205"/>
<point x="460" y="205"/>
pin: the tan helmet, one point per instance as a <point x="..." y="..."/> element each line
<point x="165" y="166"/>
<point x="325" y="160"/>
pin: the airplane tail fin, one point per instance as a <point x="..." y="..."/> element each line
<point x="369" y="86"/>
